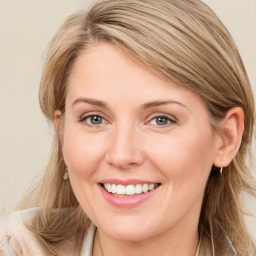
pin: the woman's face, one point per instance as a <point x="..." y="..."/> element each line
<point x="130" y="131"/>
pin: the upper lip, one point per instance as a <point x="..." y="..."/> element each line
<point x="127" y="182"/>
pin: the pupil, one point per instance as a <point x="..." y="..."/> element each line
<point x="161" y="121"/>
<point x="96" y="120"/>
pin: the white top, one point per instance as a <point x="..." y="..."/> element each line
<point x="87" y="245"/>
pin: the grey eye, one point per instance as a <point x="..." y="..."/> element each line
<point x="94" y="119"/>
<point x="162" y="120"/>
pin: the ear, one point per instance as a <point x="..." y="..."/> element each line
<point x="232" y="128"/>
<point x="57" y="117"/>
<point x="58" y="125"/>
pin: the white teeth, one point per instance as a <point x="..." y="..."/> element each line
<point x="138" y="189"/>
<point x="120" y="189"/>
<point x="108" y="187"/>
<point x="129" y="189"/>
<point x="151" y="187"/>
<point x="145" y="188"/>
<point x="113" y="188"/>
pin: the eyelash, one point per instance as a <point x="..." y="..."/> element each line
<point x="83" y="120"/>
<point x="169" y="119"/>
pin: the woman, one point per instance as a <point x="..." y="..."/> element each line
<point x="154" y="116"/>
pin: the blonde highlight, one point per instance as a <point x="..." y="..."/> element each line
<point x="180" y="41"/>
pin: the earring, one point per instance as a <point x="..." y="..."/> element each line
<point x="221" y="170"/>
<point x="65" y="176"/>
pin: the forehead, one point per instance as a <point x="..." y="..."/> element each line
<point x="104" y="70"/>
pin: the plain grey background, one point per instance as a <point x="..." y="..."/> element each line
<point x="26" y="27"/>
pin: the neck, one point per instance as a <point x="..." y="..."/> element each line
<point x="168" y="243"/>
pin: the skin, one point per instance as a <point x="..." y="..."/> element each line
<point x="129" y="143"/>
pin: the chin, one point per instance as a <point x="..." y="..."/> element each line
<point x="130" y="231"/>
<point x="130" y="235"/>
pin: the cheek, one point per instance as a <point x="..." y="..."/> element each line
<point x="188" y="156"/>
<point x="81" y="153"/>
<point x="185" y="162"/>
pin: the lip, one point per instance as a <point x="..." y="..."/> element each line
<point x="127" y="182"/>
<point x="127" y="201"/>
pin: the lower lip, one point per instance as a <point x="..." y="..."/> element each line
<point x="127" y="201"/>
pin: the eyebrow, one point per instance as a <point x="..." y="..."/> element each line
<point x="144" y="106"/>
<point x="161" y="102"/>
<point x="90" y="101"/>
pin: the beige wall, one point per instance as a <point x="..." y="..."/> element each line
<point x="26" y="26"/>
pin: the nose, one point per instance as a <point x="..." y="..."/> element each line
<point x="125" y="150"/>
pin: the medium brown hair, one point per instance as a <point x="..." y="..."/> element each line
<point x="180" y="41"/>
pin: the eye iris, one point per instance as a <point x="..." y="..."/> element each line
<point x="161" y="120"/>
<point x="96" y="120"/>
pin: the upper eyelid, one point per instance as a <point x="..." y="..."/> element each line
<point x="171" y="117"/>
<point x="93" y="113"/>
<point x="87" y="116"/>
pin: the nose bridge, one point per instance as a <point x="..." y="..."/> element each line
<point x="125" y="150"/>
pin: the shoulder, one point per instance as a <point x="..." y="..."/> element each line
<point x="16" y="239"/>
<point x="10" y="227"/>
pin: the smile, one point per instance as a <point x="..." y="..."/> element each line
<point x="130" y="189"/>
<point x="128" y="193"/>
